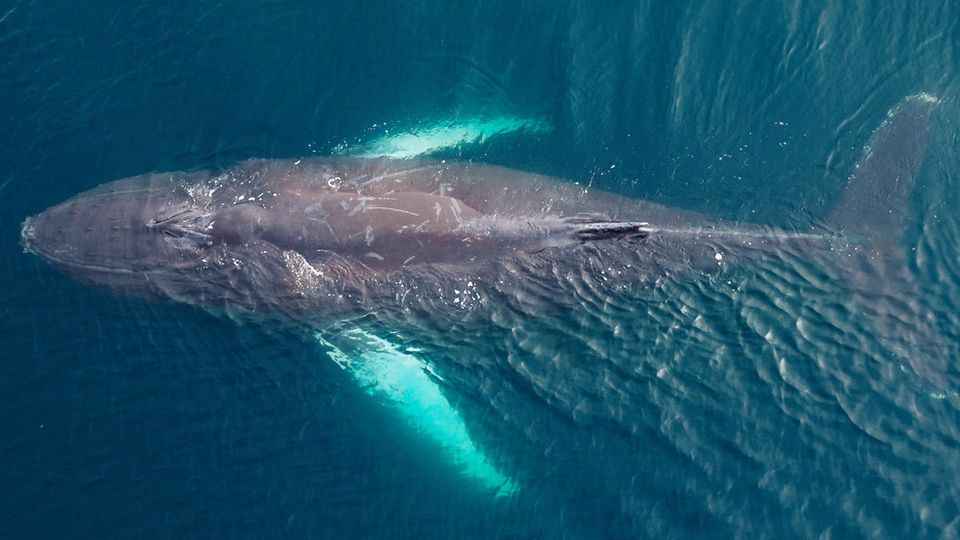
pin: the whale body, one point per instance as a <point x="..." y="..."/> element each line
<point x="329" y="243"/>
<point x="328" y="239"/>
<point x="323" y="240"/>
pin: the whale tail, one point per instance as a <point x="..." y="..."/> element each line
<point x="875" y="201"/>
<point x="872" y="214"/>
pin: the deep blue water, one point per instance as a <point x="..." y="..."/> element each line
<point x="752" y="405"/>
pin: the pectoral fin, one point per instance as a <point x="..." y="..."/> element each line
<point x="409" y="385"/>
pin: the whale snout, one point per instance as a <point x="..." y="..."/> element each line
<point x="47" y="235"/>
<point x="66" y="234"/>
<point x="35" y="240"/>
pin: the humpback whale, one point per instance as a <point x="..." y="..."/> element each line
<point x="325" y="244"/>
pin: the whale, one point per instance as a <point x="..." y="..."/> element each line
<point x="332" y="244"/>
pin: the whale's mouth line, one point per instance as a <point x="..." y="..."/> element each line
<point x="60" y="261"/>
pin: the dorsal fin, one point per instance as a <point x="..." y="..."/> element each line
<point x="606" y="230"/>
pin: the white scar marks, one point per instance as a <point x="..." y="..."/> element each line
<point x="402" y="211"/>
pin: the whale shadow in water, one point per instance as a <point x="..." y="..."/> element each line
<point x="434" y="252"/>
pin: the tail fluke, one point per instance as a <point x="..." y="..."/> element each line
<point x="875" y="201"/>
<point x="872" y="214"/>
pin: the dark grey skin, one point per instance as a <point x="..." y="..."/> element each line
<point x="321" y="241"/>
<point x="266" y="236"/>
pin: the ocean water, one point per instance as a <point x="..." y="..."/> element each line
<point x="756" y="403"/>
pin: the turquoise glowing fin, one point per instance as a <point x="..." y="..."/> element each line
<point x="445" y="135"/>
<point x="410" y="386"/>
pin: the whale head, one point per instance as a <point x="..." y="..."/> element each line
<point x="123" y="235"/>
<point x="186" y="238"/>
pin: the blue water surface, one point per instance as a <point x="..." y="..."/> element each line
<point x="752" y="405"/>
